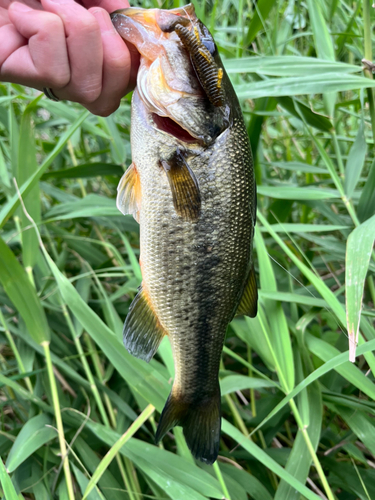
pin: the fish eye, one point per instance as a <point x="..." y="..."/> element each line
<point x="210" y="45"/>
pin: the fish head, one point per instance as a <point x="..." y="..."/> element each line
<point x="172" y="85"/>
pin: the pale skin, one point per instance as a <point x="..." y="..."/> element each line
<point x="70" y="47"/>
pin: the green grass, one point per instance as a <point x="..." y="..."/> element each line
<point x="78" y="413"/>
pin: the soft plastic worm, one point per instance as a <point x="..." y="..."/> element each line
<point x="210" y="76"/>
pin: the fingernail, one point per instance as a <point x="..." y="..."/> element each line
<point x="103" y="18"/>
<point x="20" y="7"/>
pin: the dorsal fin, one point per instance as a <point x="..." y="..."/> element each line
<point x="249" y="301"/>
<point x="129" y="193"/>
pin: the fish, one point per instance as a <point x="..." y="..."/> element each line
<point x="192" y="189"/>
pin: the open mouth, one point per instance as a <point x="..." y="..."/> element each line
<point x="169" y="126"/>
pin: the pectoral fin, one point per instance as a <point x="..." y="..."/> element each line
<point x="142" y="331"/>
<point x="184" y="186"/>
<point x="249" y="301"/>
<point x="129" y="193"/>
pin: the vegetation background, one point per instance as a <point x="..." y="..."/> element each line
<point x="298" y="417"/>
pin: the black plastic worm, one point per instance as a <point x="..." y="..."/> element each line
<point x="209" y="74"/>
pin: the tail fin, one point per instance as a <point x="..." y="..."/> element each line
<point x="201" y="423"/>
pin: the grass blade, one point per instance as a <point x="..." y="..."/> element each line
<point x="34" y="434"/>
<point x="366" y="204"/>
<point x="12" y="204"/>
<point x="6" y="484"/>
<point x="355" y="161"/>
<point x="102" y="467"/>
<point x="358" y="252"/>
<point x="22" y="294"/>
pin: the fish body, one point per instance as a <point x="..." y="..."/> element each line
<point x="191" y="187"/>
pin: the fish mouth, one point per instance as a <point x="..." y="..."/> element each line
<point x="170" y="127"/>
<point x="174" y="99"/>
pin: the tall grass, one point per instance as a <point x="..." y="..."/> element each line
<point x="78" y="412"/>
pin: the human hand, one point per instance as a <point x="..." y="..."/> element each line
<point x="71" y="48"/>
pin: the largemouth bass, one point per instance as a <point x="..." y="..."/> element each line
<point x="191" y="187"/>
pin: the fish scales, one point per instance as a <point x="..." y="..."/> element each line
<point x="194" y="267"/>
<point x="191" y="269"/>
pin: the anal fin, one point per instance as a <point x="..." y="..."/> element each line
<point x="249" y="301"/>
<point x="184" y="186"/>
<point x="142" y="331"/>
<point x="129" y="193"/>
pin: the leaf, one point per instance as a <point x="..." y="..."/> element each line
<point x="349" y="371"/>
<point x="305" y="228"/>
<point x="142" y="377"/>
<point x="249" y="329"/>
<point x="91" y="205"/>
<point x="315" y="120"/>
<point x="235" y="489"/>
<point x="22" y="294"/>
<point x="266" y="460"/>
<point x="360" y="424"/>
<point x="13" y="138"/>
<point x="178" y="468"/>
<point x="296" y="298"/>
<point x="174" y="489"/>
<point x="358" y="252"/>
<point x="234" y="383"/>
<point x="166" y="468"/>
<point x="117" y="142"/>
<point x="4" y="174"/>
<point x="277" y="335"/>
<point x="91" y="461"/>
<point x="298" y="166"/>
<point x="250" y="483"/>
<point x="85" y="171"/>
<point x="261" y="12"/>
<point x="335" y="362"/>
<point x="27" y="166"/>
<point x="9" y="208"/>
<point x="348" y="480"/>
<point x="355" y="161"/>
<point x="291" y="86"/>
<point x="323" y="43"/>
<point x="297" y="193"/>
<point x="300" y="459"/>
<point x="83" y="482"/>
<point x="287" y="66"/>
<point x="169" y="471"/>
<point x="320" y="286"/>
<point x="322" y="37"/>
<point x="366" y="204"/>
<point x="34" y="434"/>
<point x="133" y="259"/>
<point x="6" y="484"/>
<point x="71" y="115"/>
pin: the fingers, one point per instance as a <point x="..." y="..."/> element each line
<point x="44" y="61"/>
<point x="34" y="4"/>
<point x="108" y="5"/>
<point x="75" y="51"/>
<point x="116" y="66"/>
<point x="85" y="50"/>
<point x="4" y="18"/>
